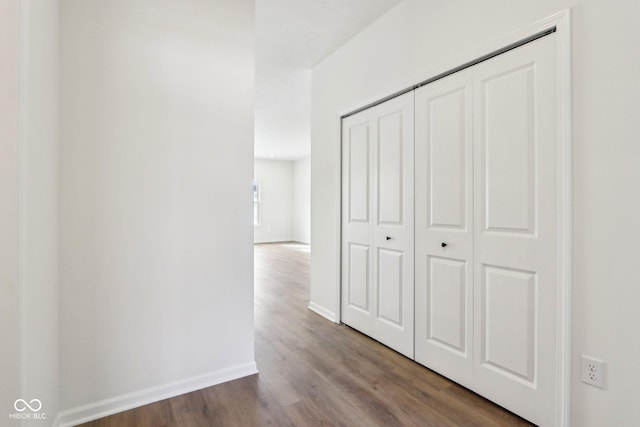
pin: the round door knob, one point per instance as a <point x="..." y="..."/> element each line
<point x="388" y="238"/>
<point x="443" y="244"/>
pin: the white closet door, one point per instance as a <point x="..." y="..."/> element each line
<point x="377" y="222"/>
<point x="444" y="227"/>
<point x="357" y="222"/>
<point x="515" y="230"/>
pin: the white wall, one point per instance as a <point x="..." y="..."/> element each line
<point x="283" y="95"/>
<point x="302" y="200"/>
<point x="156" y="164"/>
<point x="275" y="178"/>
<point x="9" y="365"/>
<point x="416" y="37"/>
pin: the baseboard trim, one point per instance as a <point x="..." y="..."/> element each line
<point x="328" y="314"/>
<point x="103" y="408"/>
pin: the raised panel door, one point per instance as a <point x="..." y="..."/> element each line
<point x="377" y="222"/>
<point x="444" y="227"/>
<point x="515" y="235"/>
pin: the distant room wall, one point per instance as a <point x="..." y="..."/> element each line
<point x="302" y="200"/>
<point x="275" y="180"/>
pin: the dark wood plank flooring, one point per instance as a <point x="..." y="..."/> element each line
<point x="316" y="373"/>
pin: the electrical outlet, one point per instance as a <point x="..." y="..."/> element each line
<point x="593" y="371"/>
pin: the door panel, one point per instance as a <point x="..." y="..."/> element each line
<point x="390" y="284"/>
<point x="515" y="230"/>
<point x="447" y="164"/>
<point x="358" y="283"/>
<point x="509" y="121"/>
<point x="508" y="323"/>
<point x="390" y="168"/>
<point x="378" y="144"/>
<point x="447" y="314"/>
<point x="358" y="146"/>
<point x="444" y="190"/>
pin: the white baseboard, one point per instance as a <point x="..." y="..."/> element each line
<point x="103" y="408"/>
<point x="323" y="312"/>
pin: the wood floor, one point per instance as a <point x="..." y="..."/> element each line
<point x="316" y="373"/>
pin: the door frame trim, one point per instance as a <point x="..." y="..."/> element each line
<point x="561" y="23"/>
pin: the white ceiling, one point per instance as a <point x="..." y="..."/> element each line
<point x="291" y="37"/>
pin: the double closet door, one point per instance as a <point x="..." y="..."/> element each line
<point x="484" y="287"/>
<point x="377" y="223"/>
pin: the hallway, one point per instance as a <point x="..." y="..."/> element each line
<point x="316" y="373"/>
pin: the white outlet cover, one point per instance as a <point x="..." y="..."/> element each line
<point x="593" y="371"/>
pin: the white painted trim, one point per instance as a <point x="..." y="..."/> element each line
<point x="103" y="408"/>
<point x="327" y="314"/>
<point x="338" y="251"/>
<point x="562" y="22"/>
<point x="564" y="117"/>
<point x="23" y="270"/>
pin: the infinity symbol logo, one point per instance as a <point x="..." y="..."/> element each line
<point x="21" y="405"/>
